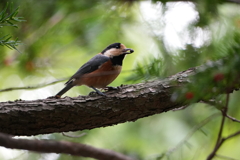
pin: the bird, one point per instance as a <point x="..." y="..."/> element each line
<point x="100" y="70"/>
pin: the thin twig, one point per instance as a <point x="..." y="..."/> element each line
<point x="48" y="84"/>
<point x="219" y="139"/>
<point x="231" y="136"/>
<point x="232" y="118"/>
<point x="223" y="140"/>
<point x="213" y="103"/>
<point x="49" y="146"/>
<point x="33" y="87"/>
<point x="194" y="129"/>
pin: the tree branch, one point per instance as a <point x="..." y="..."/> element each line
<point x="48" y="146"/>
<point x="219" y="138"/>
<point x="129" y="103"/>
<point x="86" y="112"/>
<point x="221" y="141"/>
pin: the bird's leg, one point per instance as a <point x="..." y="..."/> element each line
<point x="110" y="88"/>
<point x="99" y="92"/>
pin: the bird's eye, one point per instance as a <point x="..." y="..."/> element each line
<point x="117" y="47"/>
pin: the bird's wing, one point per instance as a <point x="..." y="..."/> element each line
<point x="92" y="65"/>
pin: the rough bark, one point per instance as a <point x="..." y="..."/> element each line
<point x="129" y="103"/>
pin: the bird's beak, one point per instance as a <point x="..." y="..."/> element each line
<point x="127" y="51"/>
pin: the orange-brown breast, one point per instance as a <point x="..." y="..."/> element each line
<point x="101" y="77"/>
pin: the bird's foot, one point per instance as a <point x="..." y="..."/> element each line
<point x="110" y="88"/>
<point x="97" y="91"/>
<point x="54" y="97"/>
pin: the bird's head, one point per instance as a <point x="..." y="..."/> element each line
<point x="116" y="49"/>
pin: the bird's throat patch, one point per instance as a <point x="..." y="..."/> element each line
<point x="117" y="60"/>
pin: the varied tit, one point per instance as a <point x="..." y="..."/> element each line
<point x="99" y="71"/>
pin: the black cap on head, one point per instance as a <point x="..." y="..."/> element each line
<point x="114" y="45"/>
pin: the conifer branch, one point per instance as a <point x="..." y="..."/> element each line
<point x="9" y="19"/>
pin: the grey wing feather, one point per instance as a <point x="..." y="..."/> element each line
<point x="92" y="65"/>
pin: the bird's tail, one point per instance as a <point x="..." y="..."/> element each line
<point x="64" y="90"/>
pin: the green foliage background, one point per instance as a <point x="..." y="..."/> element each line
<point x="59" y="36"/>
